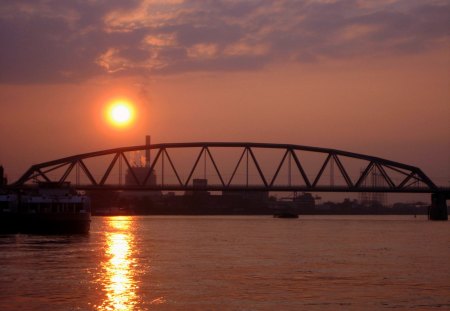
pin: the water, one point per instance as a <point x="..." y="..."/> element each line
<point x="232" y="263"/>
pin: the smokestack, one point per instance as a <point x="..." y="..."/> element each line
<point x="147" y="151"/>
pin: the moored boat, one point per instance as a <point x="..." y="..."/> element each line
<point x="285" y="215"/>
<point x="285" y="208"/>
<point x="48" y="209"/>
<point x="9" y="217"/>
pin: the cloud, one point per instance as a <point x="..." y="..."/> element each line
<point x="68" y="41"/>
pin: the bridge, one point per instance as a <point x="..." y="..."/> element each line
<point x="235" y="166"/>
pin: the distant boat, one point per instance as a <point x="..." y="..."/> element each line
<point x="50" y="208"/>
<point x="285" y="208"/>
<point x="285" y="215"/>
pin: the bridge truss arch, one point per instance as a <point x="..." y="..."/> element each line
<point x="230" y="166"/>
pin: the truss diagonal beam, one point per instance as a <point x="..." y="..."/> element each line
<point x="343" y="171"/>
<point x="364" y="175"/>
<point x="195" y="166"/>
<point x="237" y="166"/>
<point x="67" y="172"/>
<point x="54" y="168"/>
<point x="130" y="169"/>
<point x="41" y="173"/>
<point x="279" y="167"/>
<point x="87" y="172"/>
<point x="405" y="181"/>
<point x="416" y="181"/>
<point x="261" y="174"/>
<point x="173" y="167"/>
<point x="300" y="168"/>
<point x="215" y="166"/>
<point x="109" y="169"/>
<point x="152" y="167"/>
<point x="64" y="167"/>
<point x="385" y="175"/>
<point x="324" y="165"/>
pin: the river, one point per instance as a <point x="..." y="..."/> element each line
<point x="231" y="263"/>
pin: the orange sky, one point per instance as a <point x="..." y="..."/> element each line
<point x="363" y="88"/>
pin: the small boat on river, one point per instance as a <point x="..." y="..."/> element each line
<point x="285" y="215"/>
<point x="285" y="208"/>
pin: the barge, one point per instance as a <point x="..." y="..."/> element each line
<point x="50" y="208"/>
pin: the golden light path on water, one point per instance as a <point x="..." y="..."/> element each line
<point x="119" y="266"/>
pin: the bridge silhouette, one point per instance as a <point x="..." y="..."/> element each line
<point x="233" y="166"/>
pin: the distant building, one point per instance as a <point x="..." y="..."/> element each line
<point x="249" y="195"/>
<point x="139" y="173"/>
<point x="198" y="184"/>
<point x="305" y="200"/>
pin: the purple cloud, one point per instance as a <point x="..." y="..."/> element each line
<point x="69" y="41"/>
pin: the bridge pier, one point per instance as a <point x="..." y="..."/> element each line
<point x="438" y="209"/>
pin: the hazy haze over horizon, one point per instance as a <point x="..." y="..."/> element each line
<point x="366" y="76"/>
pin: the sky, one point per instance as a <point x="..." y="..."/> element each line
<point x="366" y="76"/>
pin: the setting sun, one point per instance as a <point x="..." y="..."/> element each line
<point x="121" y="113"/>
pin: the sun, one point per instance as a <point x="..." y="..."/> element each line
<point x="121" y="113"/>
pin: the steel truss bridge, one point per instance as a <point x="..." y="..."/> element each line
<point x="230" y="166"/>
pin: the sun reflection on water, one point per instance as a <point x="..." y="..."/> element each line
<point x="119" y="273"/>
